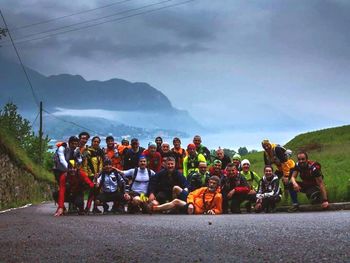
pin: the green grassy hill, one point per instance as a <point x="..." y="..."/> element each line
<point x="330" y="147"/>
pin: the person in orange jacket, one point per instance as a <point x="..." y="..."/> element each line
<point x="205" y="200"/>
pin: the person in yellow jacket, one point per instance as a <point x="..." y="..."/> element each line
<point x="192" y="160"/>
<point x="94" y="162"/>
<point x="274" y="154"/>
<point x="205" y="200"/>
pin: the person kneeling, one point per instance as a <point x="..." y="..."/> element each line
<point x="112" y="187"/>
<point x="205" y="200"/>
<point x="269" y="192"/>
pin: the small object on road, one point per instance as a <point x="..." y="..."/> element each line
<point x="209" y="223"/>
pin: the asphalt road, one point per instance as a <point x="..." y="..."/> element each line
<point x="34" y="235"/>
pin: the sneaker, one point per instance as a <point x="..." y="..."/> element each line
<point x="96" y="211"/>
<point x="293" y="209"/>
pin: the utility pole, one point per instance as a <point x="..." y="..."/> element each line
<point x="41" y="135"/>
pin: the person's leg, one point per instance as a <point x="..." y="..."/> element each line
<point x="79" y="202"/>
<point x="313" y="193"/>
<point x="236" y="201"/>
<point x="162" y="197"/>
<point x="224" y="203"/>
<point x="169" y="205"/>
<point x="176" y="191"/>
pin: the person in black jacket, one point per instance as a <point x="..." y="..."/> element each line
<point x="162" y="184"/>
<point x="132" y="155"/>
<point x="269" y="192"/>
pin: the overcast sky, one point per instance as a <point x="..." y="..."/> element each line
<point x="278" y="67"/>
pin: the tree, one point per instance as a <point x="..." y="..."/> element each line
<point x="242" y="151"/>
<point x="20" y="130"/>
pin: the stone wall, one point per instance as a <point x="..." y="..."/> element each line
<point x="19" y="187"/>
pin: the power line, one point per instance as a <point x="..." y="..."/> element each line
<point x="20" y="60"/>
<point x="37" y="115"/>
<point x="70" y="122"/>
<point x="88" y="21"/>
<point x="70" y="15"/>
<point x="108" y="21"/>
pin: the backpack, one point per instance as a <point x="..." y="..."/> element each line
<point x="134" y="177"/>
<point x="57" y="166"/>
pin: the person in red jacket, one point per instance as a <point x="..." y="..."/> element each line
<point x="154" y="159"/>
<point x="72" y="189"/>
<point x="234" y="187"/>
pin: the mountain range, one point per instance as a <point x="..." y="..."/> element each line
<point x="100" y="104"/>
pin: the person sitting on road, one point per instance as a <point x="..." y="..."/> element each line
<point x="201" y="149"/>
<point x="204" y="200"/>
<point x="269" y="192"/>
<point x="192" y="160"/>
<point x="154" y="159"/>
<point x="112" y="187"/>
<point x="71" y="188"/>
<point x="162" y="184"/>
<point x="234" y="188"/>
<point x="220" y="155"/>
<point x="311" y="183"/>
<point x="277" y="155"/>
<point x="178" y="153"/>
<point x="253" y="180"/>
<point x="138" y="188"/>
<point x="195" y="180"/>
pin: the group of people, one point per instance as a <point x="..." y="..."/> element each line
<point x="165" y="178"/>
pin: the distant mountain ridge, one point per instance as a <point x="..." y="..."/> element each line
<point x="135" y="104"/>
<point x="74" y="92"/>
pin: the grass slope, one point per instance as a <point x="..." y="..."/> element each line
<point x="18" y="156"/>
<point x="330" y="147"/>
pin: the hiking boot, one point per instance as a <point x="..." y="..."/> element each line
<point x="96" y="211"/>
<point x="293" y="209"/>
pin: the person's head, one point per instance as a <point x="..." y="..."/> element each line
<point x="170" y="164"/>
<point x="303" y="158"/>
<point x="164" y="159"/>
<point x="220" y="153"/>
<point x="217" y="164"/>
<point x="73" y="142"/>
<point x="135" y="143"/>
<point x="125" y="142"/>
<point x="266" y="145"/>
<point x="83" y="138"/>
<point x="142" y="162"/>
<point x="268" y="171"/>
<point x="236" y="159"/>
<point x="231" y="170"/>
<point x="152" y="147"/>
<point x="165" y="147"/>
<point x="191" y="149"/>
<point x="213" y="183"/>
<point x="110" y="142"/>
<point x="158" y="141"/>
<point x="245" y="165"/>
<point x="176" y="143"/>
<point x="107" y="165"/>
<point x="95" y="142"/>
<point x="202" y="167"/>
<point x="197" y="140"/>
